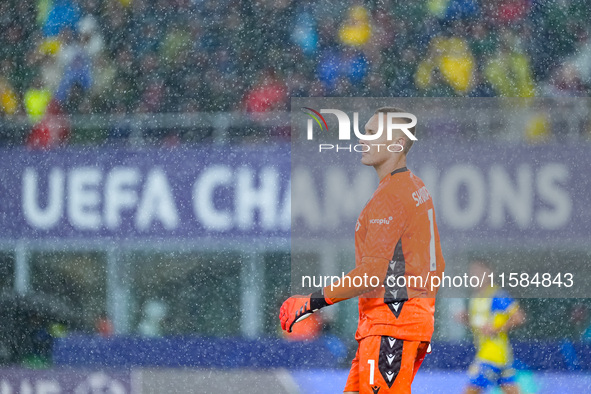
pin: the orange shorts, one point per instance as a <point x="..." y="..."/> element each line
<point x="385" y="365"/>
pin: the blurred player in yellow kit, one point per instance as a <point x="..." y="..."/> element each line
<point x="492" y="313"/>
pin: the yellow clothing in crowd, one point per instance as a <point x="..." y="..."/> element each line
<point x="356" y="31"/>
<point x="454" y="60"/>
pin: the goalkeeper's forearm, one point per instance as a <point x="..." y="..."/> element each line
<point x="345" y="289"/>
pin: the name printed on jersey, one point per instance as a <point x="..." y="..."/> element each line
<point x="421" y="195"/>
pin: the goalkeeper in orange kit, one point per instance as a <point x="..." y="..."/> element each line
<point x="396" y="235"/>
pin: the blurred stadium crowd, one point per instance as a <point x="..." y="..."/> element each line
<point x="169" y="56"/>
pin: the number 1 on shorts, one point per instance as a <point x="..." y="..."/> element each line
<point x="372" y="367"/>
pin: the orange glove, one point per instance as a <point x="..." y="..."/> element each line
<point x="297" y="308"/>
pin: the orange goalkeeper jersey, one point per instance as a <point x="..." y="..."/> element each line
<point x="398" y="227"/>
